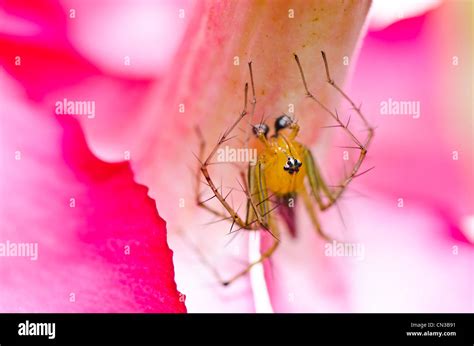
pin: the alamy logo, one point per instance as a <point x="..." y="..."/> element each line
<point x="228" y="154"/>
<point x="12" y="249"/>
<point x="37" y="329"/>
<point x="69" y="107"/>
<point x="399" y="107"/>
<point x="337" y="249"/>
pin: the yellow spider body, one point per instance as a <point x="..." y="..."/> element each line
<point x="284" y="170"/>
<point x="274" y="157"/>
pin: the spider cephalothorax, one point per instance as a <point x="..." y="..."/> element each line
<point x="280" y="158"/>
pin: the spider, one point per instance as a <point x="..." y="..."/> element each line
<point x="285" y="168"/>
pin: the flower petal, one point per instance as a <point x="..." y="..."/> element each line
<point x="417" y="258"/>
<point x="210" y="88"/>
<point x="101" y="244"/>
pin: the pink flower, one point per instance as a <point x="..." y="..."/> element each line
<point x="150" y="92"/>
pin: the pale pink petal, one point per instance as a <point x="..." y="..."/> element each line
<point x="384" y="13"/>
<point x="129" y="38"/>
<point x="50" y="69"/>
<point x="409" y="264"/>
<point x="205" y="80"/>
<point x="414" y="157"/>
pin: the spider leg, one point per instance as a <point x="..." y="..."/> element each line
<point x="262" y="212"/>
<point x="204" y="164"/>
<point x="258" y="203"/>
<point x="313" y="216"/>
<point x="253" y="102"/>
<point x="318" y="183"/>
<point x="258" y="213"/>
<point x="202" y="202"/>
<point x="267" y="254"/>
<point x="205" y="172"/>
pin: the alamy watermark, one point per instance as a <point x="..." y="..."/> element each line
<point x="12" y="249"/>
<point x="78" y="107"/>
<point x="343" y="249"/>
<point x="37" y="329"/>
<point x="400" y="107"/>
<point x="228" y="154"/>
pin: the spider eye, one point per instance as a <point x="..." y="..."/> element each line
<point x="282" y="122"/>
<point x="261" y="128"/>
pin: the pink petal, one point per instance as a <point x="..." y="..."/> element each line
<point x="210" y="87"/>
<point x="83" y="264"/>
<point x="414" y="157"/>
<point x="410" y="264"/>
<point x="108" y="33"/>
<point x="51" y="69"/>
<point x="384" y="13"/>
